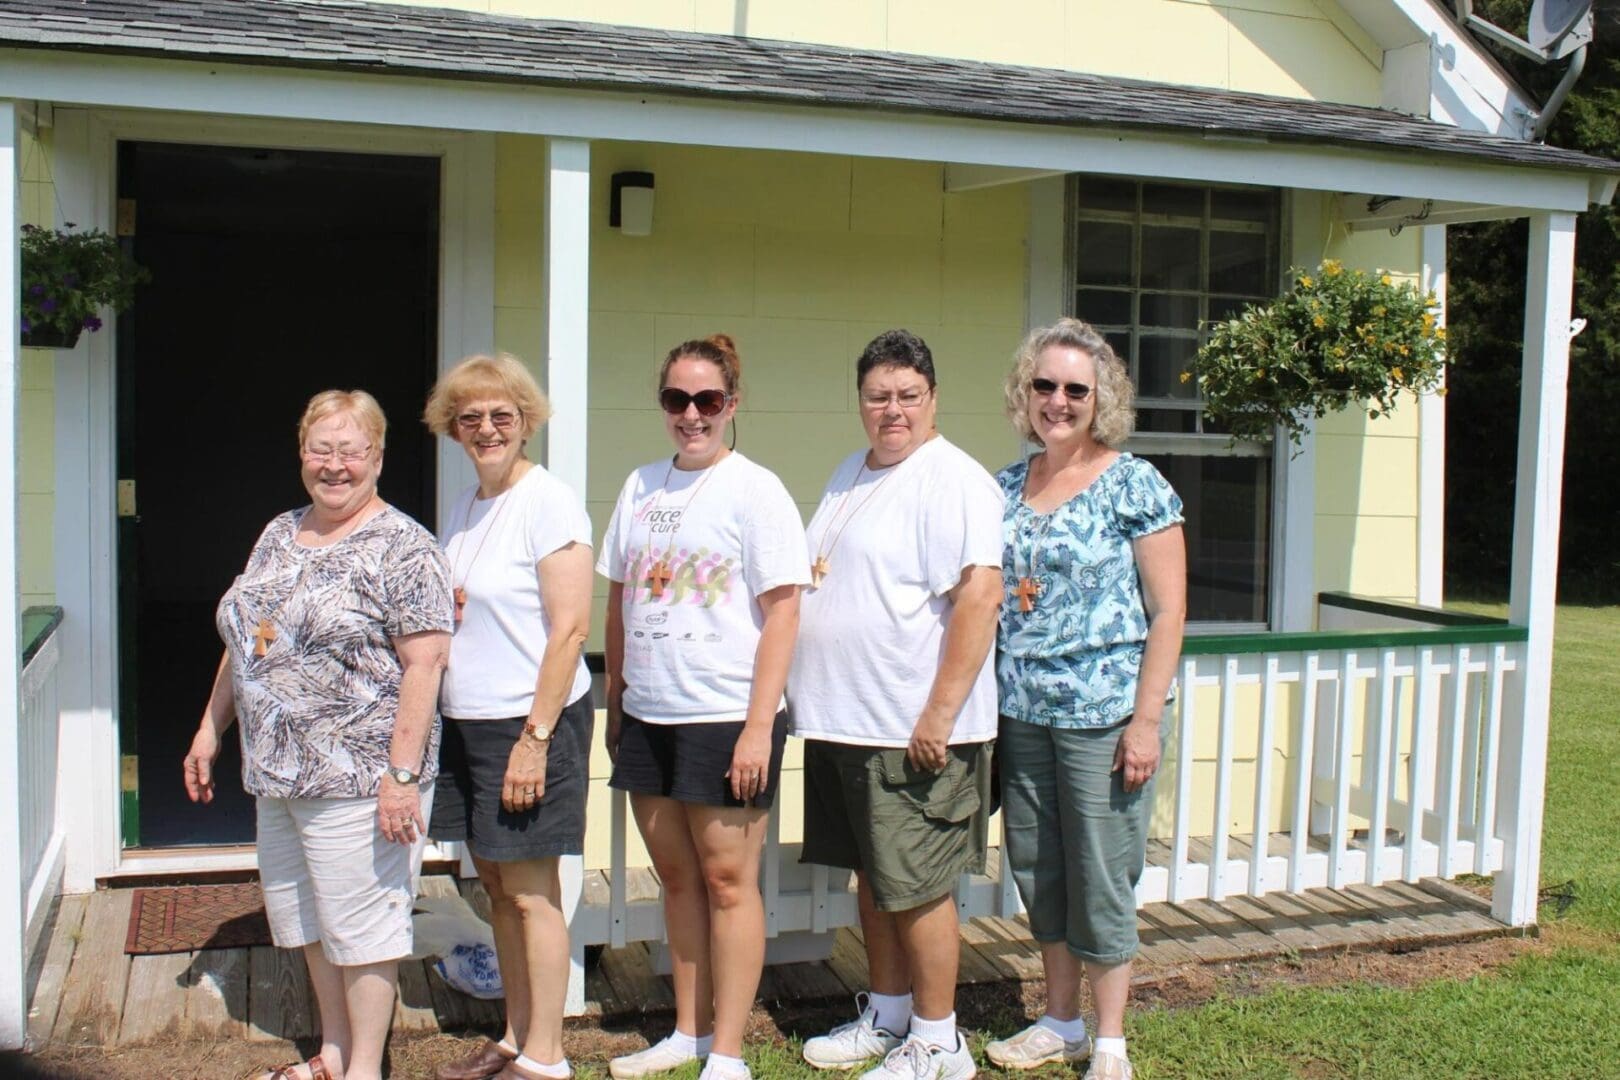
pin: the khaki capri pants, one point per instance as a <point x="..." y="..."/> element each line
<point x="1076" y="840"/>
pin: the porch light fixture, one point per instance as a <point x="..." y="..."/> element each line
<point x="630" y="208"/>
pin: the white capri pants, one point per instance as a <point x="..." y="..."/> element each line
<point x="329" y="876"/>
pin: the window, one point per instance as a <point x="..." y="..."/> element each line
<point x="1151" y="265"/>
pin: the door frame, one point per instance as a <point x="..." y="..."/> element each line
<point x="85" y="442"/>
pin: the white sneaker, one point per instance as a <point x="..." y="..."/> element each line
<point x="1109" y="1067"/>
<point x="847" y="1045"/>
<point x="660" y="1057"/>
<point x="915" y="1059"/>
<point x="712" y="1071"/>
<point x="1035" y="1046"/>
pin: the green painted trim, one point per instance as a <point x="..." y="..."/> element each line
<point x="1321" y="641"/>
<point x="38" y="624"/>
<point x="1414" y="612"/>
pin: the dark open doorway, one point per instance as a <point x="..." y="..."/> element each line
<point x="275" y="274"/>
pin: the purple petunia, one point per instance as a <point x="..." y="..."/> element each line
<point x="92" y="323"/>
<point x="36" y="290"/>
<point x="47" y="305"/>
<point x="27" y="326"/>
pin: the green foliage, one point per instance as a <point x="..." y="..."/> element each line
<point x="69" y="276"/>
<point x="1337" y="338"/>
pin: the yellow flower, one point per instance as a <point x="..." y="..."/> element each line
<point x="1186" y="376"/>
<point x="1397" y="373"/>
<point x="1440" y="333"/>
<point x="1428" y="318"/>
<point x="1332" y="267"/>
<point x="1404" y="351"/>
<point x="1385" y="280"/>
<point x="1306" y="282"/>
<point x="1381" y="310"/>
<point x="1319" y="322"/>
<point x="1338" y="350"/>
<point x="1442" y="391"/>
<point x="1260" y="374"/>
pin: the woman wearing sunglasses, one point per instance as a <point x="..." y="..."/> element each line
<point x="1094" y="571"/>
<point x="705" y="555"/>
<point x="516" y="699"/>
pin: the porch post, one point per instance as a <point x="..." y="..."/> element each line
<point x="567" y="277"/>
<point x="1537" y="498"/>
<point x="13" y="972"/>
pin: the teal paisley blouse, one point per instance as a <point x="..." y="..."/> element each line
<point x="1073" y="661"/>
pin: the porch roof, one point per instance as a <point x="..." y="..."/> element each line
<point x="349" y="35"/>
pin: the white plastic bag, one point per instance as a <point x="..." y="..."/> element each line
<point x="448" y="927"/>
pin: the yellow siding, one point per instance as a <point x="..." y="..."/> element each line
<point x="1297" y="48"/>
<point x="36" y="476"/>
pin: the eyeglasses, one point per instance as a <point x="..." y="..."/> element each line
<point x="500" y="419"/>
<point x="906" y="399"/>
<point x="1074" y="391"/>
<point x="349" y="455"/>
<point x="708" y="402"/>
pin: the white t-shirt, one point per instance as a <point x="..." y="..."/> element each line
<point x="872" y="636"/>
<point x="689" y="653"/>
<point x="493" y="546"/>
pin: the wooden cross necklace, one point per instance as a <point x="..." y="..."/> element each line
<point x="1028" y="588"/>
<point x="460" y="592"/>
<point x="822" y="566"/>
<point x="264" y="635"/>
<point x="659" y="573"/>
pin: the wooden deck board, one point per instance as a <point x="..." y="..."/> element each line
<point x="155" y="1000"/>
<point x="279" y="1005"/>
<point x="217" y="1005"/>
<point x="93" y="1000"/>
<point x="53" y="972"/>
<point x="89" y="991"/>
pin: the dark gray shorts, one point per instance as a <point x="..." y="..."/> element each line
<point x="472" y="770"/>
<point x="910" y="833"/>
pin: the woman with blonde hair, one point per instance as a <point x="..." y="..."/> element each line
<point x="705" y="555"/>
<point x="1094" y="575"/>
<point x="336" y="634"/>
<point x="516" y="698"/>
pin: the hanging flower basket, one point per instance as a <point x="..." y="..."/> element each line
<point x="1338" y="338"/>
<point x="68" y="277"/>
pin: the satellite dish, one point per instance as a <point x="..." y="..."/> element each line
<point x="1559" y="27"/>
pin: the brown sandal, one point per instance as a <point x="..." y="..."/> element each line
<point x="317" y="1070"/>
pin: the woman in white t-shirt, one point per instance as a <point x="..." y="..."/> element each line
<point x="516" y="699"/>
<point x="706" y="556"/>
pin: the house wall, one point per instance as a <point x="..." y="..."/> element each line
<point x="1296" y="48"/>
<point x="36" y="434"/>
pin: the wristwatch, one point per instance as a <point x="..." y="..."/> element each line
<point x="538" y="734"/>
<point x="403" y="775"/>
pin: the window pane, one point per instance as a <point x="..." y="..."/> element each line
<point x="1103" y="307"/>
<point x="1169" y="257"/>
<point x="1237" y="262"/>
<point x="1103" y="255"/>
<point x="1167" y="421"/>
<point x="1178" y="312"/>
<point x="1227" y="307"/>
<point x="1173" y="199"/>
<point x="1227" y="504"/>
<point x="1098" y="194"/>
<point x="1120" y="342"/>
<point x="1232" y="205"/>
<point x="1160" y="366"/>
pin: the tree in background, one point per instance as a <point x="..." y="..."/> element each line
<point x="1486" y="313"/>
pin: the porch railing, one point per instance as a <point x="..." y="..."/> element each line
<point x="1363" y="752"/>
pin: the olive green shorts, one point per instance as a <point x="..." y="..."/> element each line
<point x="909" y="832"/>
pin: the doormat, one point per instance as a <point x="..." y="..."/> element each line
<point x="190" y="917"/>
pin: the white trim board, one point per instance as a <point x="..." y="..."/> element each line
<point x="85" y="533"/>
<point x="310" y="95"/>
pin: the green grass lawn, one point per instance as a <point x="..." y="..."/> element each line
<point x="1552" y="1014"/>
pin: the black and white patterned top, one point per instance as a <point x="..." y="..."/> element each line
<point x="316" y="711"/>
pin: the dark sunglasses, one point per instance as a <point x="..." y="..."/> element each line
<point x="708" y="402"/>
<point x="1074" y="391"/>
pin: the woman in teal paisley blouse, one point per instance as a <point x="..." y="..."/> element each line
<point x="1095" y="571"/>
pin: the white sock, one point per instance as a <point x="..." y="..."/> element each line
<point x="690" y="1045"/>
<point x="511" y="1050"/>
<point x="1068" y="1030"/>
<point x="721" y="1067"/>
<point x="1111" y="1045"/>
<point x="559" y="1070"/>
<point x="940" y="1033"/>
<point x="893" y="1012"/>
